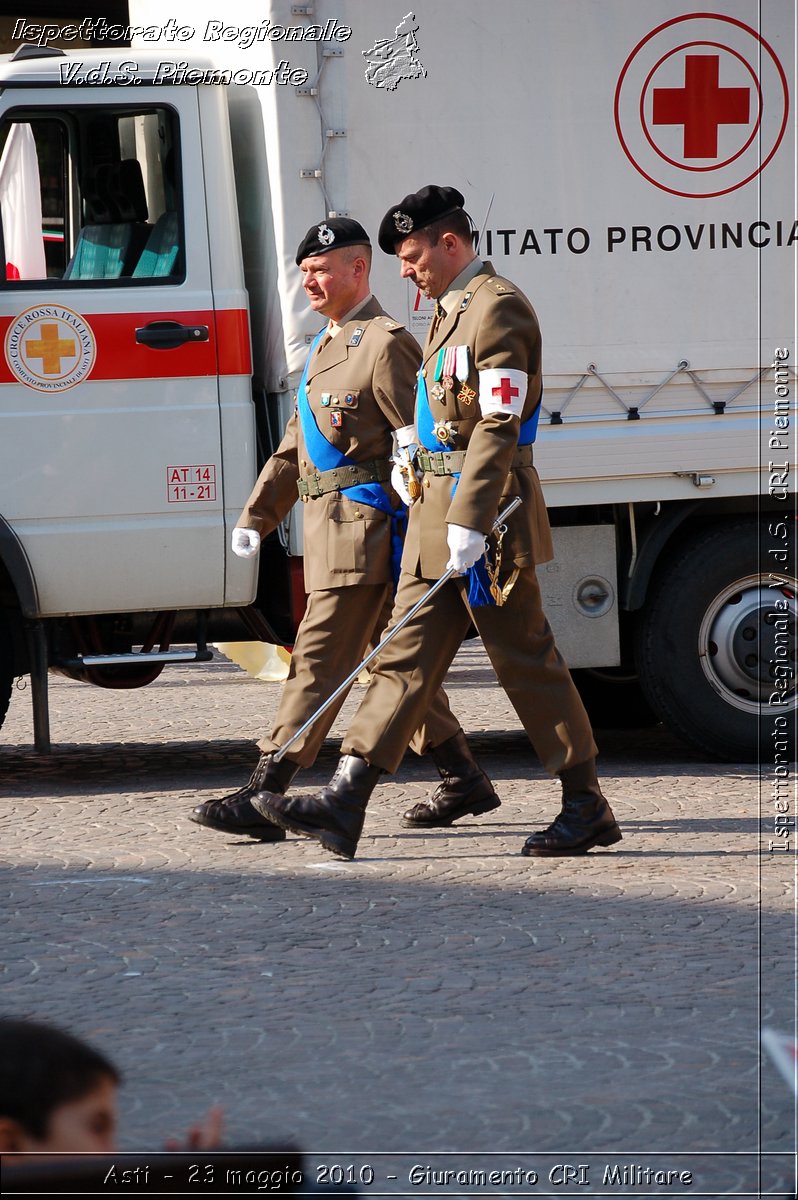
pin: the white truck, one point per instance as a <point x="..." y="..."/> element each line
<point x="629" y="163"/>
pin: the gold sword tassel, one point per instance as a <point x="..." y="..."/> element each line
<point x="498" y="593"/>
<point x="409" y="474"/>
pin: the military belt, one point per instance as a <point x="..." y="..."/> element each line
<point x="450" y="462"/>
<point x="322" y="482"/>
<point x="440" y="462"/>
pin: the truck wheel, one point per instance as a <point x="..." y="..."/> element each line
<point x="713" y="644"/>
<point x="6" y="672"/>
<point x="614" y="699"/>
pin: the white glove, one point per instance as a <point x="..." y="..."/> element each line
<point x="399" y="484"/>
<point x="245" y="542"/>
<point x="466" y="546"/>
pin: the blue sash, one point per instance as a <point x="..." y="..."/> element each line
<point x="327" y="457"/>
<point x="478" y="582"/>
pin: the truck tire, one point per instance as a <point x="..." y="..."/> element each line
<point x="613" y="698"/>
<point x="710" y="643"/>
<point x="6" y="672"/>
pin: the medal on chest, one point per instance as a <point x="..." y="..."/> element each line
<point x="338" y="405"/>
<point x="451" y="364"/>
<point x="445" y="431"/>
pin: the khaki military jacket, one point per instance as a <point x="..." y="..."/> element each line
<point x="373" y="361"/>
<point x="499" y="326"/>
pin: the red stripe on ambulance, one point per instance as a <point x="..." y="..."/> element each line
<point x="120" y="356"/>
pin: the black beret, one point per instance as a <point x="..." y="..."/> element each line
<point x="415" y="211"/>
<point x="332" y="234"/>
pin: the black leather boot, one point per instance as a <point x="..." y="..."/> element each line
<point x="235" y="814"/>
<point x="465" y="790"/>
<point x="335" y="817"/>
<point x="585" y="819"/>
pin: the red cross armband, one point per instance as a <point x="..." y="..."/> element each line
<point x="502" y="389"/>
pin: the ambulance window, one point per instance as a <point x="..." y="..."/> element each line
<point x="92" y="198"/>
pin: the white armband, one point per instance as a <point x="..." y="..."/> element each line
<point x="502" y="389"/>
<point x="406" y="436"/>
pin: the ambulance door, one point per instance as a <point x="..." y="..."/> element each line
<point x="110" y="459"/>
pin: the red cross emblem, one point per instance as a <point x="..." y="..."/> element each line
<point x="505" y="390"/>
<point x="701" y="105"/>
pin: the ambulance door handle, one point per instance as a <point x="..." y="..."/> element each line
<point x="167" y="335"/>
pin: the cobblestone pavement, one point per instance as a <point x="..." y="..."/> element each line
<point x="441" y="993"/>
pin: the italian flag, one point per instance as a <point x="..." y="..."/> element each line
<point x="21" y="206"/>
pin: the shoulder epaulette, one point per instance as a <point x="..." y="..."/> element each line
<point x="387" y="323"/>
<point x="501" y="287"/>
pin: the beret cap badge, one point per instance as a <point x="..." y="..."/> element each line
<point x="417" y="211"/>
<point x="333" y="234"/>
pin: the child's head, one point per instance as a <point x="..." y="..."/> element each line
<point x="56" y="1093"/>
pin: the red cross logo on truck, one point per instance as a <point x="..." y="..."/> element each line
<point x="701" y="105"/>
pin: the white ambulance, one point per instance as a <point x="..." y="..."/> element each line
<point x="630" y="164"/>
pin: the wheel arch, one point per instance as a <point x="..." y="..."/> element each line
<point x="16" y="573"/>
<point x="658" y="539"/>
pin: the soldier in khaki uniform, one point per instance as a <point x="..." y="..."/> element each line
<point x="356" y="394"/>
<point x="479" y="393"/>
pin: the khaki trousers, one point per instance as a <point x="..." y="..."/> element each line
<point x="521" y="647"/>
<point x="339" y="627"/>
